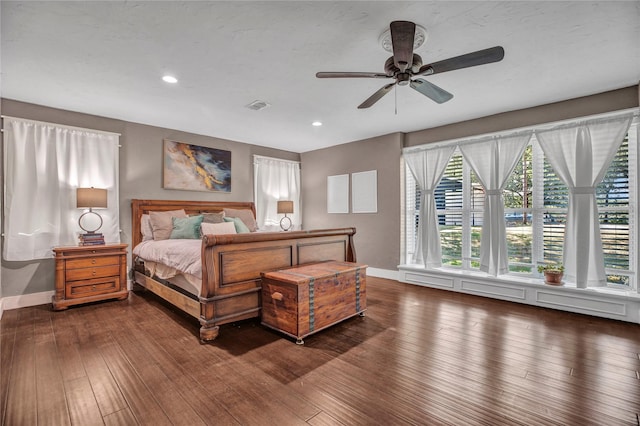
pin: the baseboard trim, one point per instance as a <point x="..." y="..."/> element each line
<point x="25" y="300"/>
<point x="32" y="299"/>
<point x="383" y="273"/>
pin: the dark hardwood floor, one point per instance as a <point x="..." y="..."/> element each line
<point x="420" y="356"/>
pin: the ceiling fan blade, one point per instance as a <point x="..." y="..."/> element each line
<point x="376" y="96"/>
<point x="431" y="91"/>
<point x="402" y="35"/>
<point x="351" y="75"/>
<point x="480" y="57"/>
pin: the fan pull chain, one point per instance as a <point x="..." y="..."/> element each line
<point x="395" y="94"/>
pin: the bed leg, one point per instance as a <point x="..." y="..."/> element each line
<point x="208" y="334"/>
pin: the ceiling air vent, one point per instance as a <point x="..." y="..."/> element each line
<point x="258" y="105"/>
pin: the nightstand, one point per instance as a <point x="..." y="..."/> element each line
<point x="89" y="274"/>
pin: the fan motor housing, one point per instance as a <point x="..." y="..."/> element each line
<point x="392" y="71"/>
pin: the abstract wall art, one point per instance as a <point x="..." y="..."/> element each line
<point x="196" y="168"/>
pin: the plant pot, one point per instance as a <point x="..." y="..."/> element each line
<point x="553" y="277"/>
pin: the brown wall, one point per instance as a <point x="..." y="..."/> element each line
<point x="377" y="237"/>
<point x="140" y="177"/>
<point x="573" y="108"/>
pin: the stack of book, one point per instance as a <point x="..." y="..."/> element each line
<point x="91" y="239"/>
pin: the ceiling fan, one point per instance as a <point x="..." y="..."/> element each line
<point x="405" y="65"/>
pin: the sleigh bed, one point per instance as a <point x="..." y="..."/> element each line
<point x="229" y="286"/>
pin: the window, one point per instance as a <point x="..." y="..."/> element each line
<point x="536" y="202"/>
<point x="44" y="163"/>
<point x="275" y="180"/>
<point x="554" y="205"/>
<point x="613" y="197"/>
<point x="518" y="200"/>
<point x="613" y="200"/>
<point x="449" y="201"/>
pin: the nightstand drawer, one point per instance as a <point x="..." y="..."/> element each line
<point x="88" y="273"/>
<point x="92" y="287"/>
<point x="88" y="262"/>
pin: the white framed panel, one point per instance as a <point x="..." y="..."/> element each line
<point x="338" y="194"/>
<point x="364" y="192"/>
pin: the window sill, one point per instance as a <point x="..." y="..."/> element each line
<point x="605" y="302"/>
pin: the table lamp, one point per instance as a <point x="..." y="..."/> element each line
<point x="285" y="207"/>
<point x="91" y="198"/>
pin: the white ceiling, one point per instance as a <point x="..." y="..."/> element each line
<point x="107" y="58"/>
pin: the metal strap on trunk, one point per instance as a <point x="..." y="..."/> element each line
<point x="357" y="289"/>
<point x="311" y="306"/>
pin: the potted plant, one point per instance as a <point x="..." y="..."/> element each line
<point x="553" y="273"/>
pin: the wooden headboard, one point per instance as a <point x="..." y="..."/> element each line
<point x="140" y="207"/>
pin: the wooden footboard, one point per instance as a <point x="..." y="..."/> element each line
<point x="231" y="264"/>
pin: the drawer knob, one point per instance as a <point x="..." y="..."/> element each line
<point x="93" y="273"/>
<point x="93" y="261"/>
<point x="93" y="287"/>
<point x="277" y="296"/>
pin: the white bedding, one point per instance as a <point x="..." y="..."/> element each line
<point x="183" y="255"/>
<point x="187" y="282"/>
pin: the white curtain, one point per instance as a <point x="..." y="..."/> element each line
<point x="427" y="168"/>
<point x="580" y="154"/>
<point x="43" y="165"/>
<point x="274" y="180"/>
<point x="493" y="161"/>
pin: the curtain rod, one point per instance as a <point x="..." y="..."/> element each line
<point x="635" y="112"/>
<point x="80" y="129"/>
<point x="256" y="156"/>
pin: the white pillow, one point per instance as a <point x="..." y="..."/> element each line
<point x="145" y="228"/>
<point x="218" y="228"/>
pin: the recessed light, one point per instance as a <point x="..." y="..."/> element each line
<point x="317" y="123"/>
<point x="170" y="79"/>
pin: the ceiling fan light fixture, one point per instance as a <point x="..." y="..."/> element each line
<point x="169" y="79"/>
<point x="418" y="40"/>
<point x="316" y="123"/>
<point x="403" y="79"/>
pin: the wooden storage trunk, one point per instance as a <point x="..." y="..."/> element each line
<point x="305" y="299"/>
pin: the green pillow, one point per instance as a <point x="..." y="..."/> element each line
<point x="186" y="227"/>
<point x="241" y="228"/>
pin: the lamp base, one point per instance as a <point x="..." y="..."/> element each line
<point x="285" y="223"/>
<point x="88" y="223"/>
